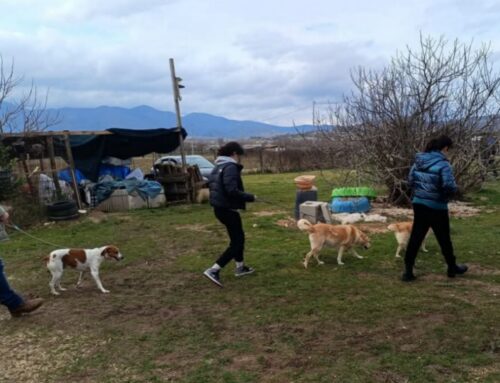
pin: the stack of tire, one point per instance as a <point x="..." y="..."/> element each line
<point x="62" y="210"/>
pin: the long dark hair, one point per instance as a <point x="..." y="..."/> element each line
<point x="230" y="148"/>
<point x="438" y="144"/>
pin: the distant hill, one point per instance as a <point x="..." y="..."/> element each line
<point x="200" y="125"/>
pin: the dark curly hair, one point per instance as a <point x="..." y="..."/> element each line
<point x="439" y="143"/>
<point x="230" y="148"/>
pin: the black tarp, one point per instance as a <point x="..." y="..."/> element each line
<point x="88" y="151"/>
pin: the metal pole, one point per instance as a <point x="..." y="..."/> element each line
<point x="177" y="97"/>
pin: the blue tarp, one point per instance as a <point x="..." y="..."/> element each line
<point x="103" y="190"/>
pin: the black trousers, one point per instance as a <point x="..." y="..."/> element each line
<point x="425" y="218"/>
<point x="232" y="220"/>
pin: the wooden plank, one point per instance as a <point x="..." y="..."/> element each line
<point x="71" y="162"/>
<point x="53" y="167"/>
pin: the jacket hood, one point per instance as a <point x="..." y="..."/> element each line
<point x="426" y="160"/>
<point x="224" y="160"/>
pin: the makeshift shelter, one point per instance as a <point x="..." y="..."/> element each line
<point x="85" y="150"/>
<point x="89" y="150"/>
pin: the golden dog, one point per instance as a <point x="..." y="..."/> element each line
<point x="402" y="231"/>
<point x="345" y="237"/>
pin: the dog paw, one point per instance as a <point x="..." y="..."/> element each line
<point x="55" y="293"/>
<point x="105" y="291"/>
<point x="62" y="288"/>
<point x="398" y="256"/>
<point x="305" y="265"/>
<point x="340" y="263"/>
<point x="321" y="263"/>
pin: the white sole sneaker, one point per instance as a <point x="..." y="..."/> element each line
<point x="207" y="274"/>
<point x="244" y="273"/>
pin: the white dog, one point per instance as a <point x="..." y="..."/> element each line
<point x="80" y="260"/>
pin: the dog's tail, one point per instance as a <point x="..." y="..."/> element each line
<point x="305" y="225"/>
<point x="46" y="259"/>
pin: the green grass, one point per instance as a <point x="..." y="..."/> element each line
<point x="163" y="322"/>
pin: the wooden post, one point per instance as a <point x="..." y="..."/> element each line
<point x="53" y="167"/>
<point x="177" y="98"/>
<point x="261" y="158"/>
<point x="71" y="163"/>
<point x="27" y="175"/>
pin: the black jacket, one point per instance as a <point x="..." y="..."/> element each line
<point x="226" y="186"/>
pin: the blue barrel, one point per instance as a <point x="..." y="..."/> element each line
<point x="303" y="196"/>
<point x="350" y="205"/>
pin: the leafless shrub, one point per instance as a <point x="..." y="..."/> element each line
<point x="442" y="88"/>
<point x="26" y="114"/>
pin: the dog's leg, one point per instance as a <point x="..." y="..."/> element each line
<point x="306" y="258"/>
<point x="95" y="275"/>
<point x="80" y="279"/>
<point x="59" y="285"/>
<point x="339" y="256"/>
<point x="400" y="247"/>
<point x="56" y="276"/>
<point x="356" y="254"/>
<point x="316" y="256"/>
<point x="424" y="249"/>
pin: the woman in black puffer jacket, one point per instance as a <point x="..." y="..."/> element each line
<point x="227" y="196"/>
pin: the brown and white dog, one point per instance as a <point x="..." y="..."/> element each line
<point x="345" y="237"/>
<point x="80" y="260"/>
<point x="402" y="231"/>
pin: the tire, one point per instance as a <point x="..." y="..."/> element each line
<point x="62" y="210"/>
<point x="350" y="205"/>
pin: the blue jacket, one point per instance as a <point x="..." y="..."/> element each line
<point x="226" y="185"/>
<point x="431" y="179"/>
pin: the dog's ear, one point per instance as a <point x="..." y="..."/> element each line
<point x="105" y="251"/>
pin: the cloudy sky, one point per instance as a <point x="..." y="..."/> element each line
<point x="260" y="60"/>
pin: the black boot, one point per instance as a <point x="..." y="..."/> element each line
<point x="456" y="270"/>
<point x="408" y="275"/>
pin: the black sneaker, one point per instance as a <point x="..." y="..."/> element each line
<point x="457" y="269"/>
<point x="408" y="277"/>
<point x="213" y="275"/>
<point x="243" y="270"/>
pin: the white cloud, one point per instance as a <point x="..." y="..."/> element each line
<point x="247" y="60"/>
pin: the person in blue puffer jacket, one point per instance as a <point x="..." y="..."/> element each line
<point x="227" y="196"/>
<point x="432" y="182"/>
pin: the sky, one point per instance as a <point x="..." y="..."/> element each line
<point x="257" y="60"/>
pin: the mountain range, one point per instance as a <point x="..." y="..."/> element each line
<point x="198" y="125"/>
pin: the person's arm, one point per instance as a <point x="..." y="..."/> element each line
<point x="230" y="176"/>
<point x="411" y="177"/>
<point x="448" y="183"/>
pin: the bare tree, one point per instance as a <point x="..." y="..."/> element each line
<point x="442" y="88"/>
<point x="28" y="113"/>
